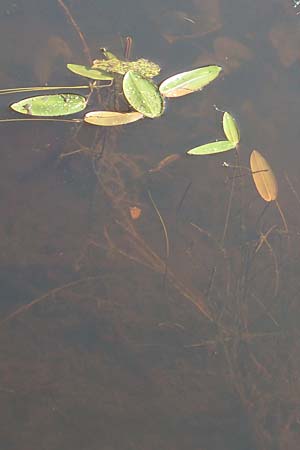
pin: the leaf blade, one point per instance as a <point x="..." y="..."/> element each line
<point x="212" y="148"/>
<point x="263" y="177"/>
<point x="231" y="129"/>
<point x="111" y="118"/>
<point x="51" y="105"/>
<point x="88" y="72"/>
<point x="187" y="82"/>
<point x="143" y="95"/>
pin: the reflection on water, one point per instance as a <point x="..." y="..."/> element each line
<point x="105" y="342"/>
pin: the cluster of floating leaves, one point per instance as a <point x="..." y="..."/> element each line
<point x="146" y="98"/>
<point x="263" y="176"/>
<point x="232" y="133"/>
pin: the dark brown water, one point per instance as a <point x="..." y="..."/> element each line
<point x="101" y="346"/>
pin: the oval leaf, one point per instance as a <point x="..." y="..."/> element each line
<point x="263" y="177"/>
<point x="88" y="72"/>
<point x="187" y="82"/>
<point x="50" y="105"/>
<point x="230" y="128"/>
<point x="211" y="148"/>
<point x="111" y="118"/>
<point x="143" y="95"/>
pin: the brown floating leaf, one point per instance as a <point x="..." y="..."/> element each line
<point x="111" y="118"/>
<point x="263" y="176"/>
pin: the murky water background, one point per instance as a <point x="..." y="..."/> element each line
<point x="102" y="347"/>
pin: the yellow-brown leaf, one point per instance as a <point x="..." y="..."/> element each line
<point x="263" y="176"/>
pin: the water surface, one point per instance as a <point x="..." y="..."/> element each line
<point x="106" y="343"/>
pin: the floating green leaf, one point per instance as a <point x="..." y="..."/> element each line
<point x="231" y="129"/>
<point x="263" y="177"/>
<point x="111" y="118"/>
<point x="187" y="82"/>
<point x="88" y="72"/>
<point x="50" y="105"/>
<point x="143" y="95"/>
<point x="211" y="148"/>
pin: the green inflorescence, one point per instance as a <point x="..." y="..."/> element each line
<point x="144" y="67"/>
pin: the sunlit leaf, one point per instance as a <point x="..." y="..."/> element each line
<point x="211" y="148"/>
<point x="187" y="82"/>
<point x="143" y="95"/>
<point x="263" y="176"/>
<point x="88" y="72"/>
<point x="231" y="129"/>
<point x="111" y="118"/>
<point x="50" y="105"/>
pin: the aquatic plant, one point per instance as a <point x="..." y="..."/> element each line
<point x="142" y="94"/>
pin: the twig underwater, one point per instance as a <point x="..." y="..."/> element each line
<point x="73" y="22"/>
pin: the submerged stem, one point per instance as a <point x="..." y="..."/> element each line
<point x="77" y="29"/>
<point x="282" y="217"/>
<point x="42" y="119"/>
<point x="39" y="88"/>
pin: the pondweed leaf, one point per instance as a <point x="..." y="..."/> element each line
<point x="51" y="105"/>
<point x="187" y="82"/>
<point x="231" y="129"/>
<point x="88" y="72"/>
<point x="111" y="118"/>
<point x="263" y="177"/>
<point x="211" y="148"/>
<point x="143" y="95"/>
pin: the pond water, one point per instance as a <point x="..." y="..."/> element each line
<point x="147" y="309"/>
